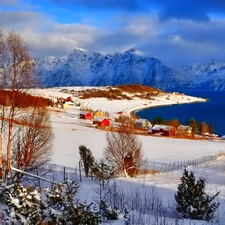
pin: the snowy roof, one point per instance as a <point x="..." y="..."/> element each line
<point x="141" y="120"/>
<point x="183" y="127"/>
<point x="161" y="127"/>
<point x="99" y="118"/>
<point x="84" y="112"/>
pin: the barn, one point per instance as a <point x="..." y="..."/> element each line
<point x="85" y="115"/>
<point x="163" y="130"/>
<point x="101" y="121"/>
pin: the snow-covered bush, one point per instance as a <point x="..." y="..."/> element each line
<point x="25" y="206"/>
<point x="108" y="213"/>
<point x="22" y="205"/>
<point x="62" y="209"/>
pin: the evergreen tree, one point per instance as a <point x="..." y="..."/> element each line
<point x="62" y="209"/>
<point x="23" y="204"/>
<point x="158" y="120"/>
<point x="192" y="200"/>
<point x="87" y="158"/>
<point x="194" y="126"/>
<point x="102" y="173"/>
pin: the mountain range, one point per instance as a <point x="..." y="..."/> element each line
<point x="81" y="67"/>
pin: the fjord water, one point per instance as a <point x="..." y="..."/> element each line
<point x="212" y="111"/>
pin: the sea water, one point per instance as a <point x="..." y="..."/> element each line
<point x="211" y="112"/>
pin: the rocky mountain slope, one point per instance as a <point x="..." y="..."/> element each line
<point x="209" y="76"/>
<point x="84" y="68"/>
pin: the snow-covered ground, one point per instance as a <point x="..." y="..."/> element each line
<point x="70" y="133"/>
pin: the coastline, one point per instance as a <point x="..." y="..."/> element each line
<point x="133" y="112"/>
<point x="184" y="99"/>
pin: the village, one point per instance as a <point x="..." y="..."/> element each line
<point x="107" y="113"/>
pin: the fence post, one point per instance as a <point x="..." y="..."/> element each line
<point x="39" y="183"/>
<point x="64" y="173"/>
<point x="80" y="171"/>
<point x="169" y="167"/>
<point x="165" y="168"/>
<point x="153" y="167"/>
<point x="161" y="167"/>
<point x="173" y="167"/>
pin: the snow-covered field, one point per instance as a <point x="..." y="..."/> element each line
<point x="70" y="133"/>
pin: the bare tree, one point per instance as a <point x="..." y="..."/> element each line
<point x="32" y="142"/>
<point x="124" y="152"/>
<point x="16" y="74"/>
<point x="127" y="121"/>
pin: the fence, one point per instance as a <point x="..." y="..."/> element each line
<point x="179" y="165"/>
<point x="57" y="173"/>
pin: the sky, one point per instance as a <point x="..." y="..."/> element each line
<point x="176" y="31"/>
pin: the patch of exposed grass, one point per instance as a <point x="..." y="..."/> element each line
<point x="119" y="92"/>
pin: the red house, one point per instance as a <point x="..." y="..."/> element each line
<point x="163" y="130"/>
<point x="101" y="121"/>
<point x="85" y="115"/>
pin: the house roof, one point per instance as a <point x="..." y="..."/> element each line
<point x="84" y="112"/>
<point x="99" y="119"/>
<point x="184" y="127"/>
<point x="141" y="120"/>
<point x="162" y="127"/>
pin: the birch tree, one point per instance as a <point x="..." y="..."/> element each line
<point x="16" y="74"/>
<point x="32" y="142"/>
<point x="124" y="152"/>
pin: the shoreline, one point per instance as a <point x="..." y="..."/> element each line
<point x="133" y="112"/>
<point x="188" y="100"/>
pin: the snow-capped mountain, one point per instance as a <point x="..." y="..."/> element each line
<point x="84" y="68"/>
<point x="209" y="76"/>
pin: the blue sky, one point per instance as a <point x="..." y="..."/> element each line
<point x="176" y="31"/>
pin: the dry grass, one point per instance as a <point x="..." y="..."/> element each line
<point x="137" y="88"/>
<point x="147" y="171"/>
<point x="22" y="99"/>
<point x="116" y="92"/>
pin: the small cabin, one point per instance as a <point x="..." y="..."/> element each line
<point x="184" y="130"/>
<point x="101" y="121"/>
<point x="98" y="113"/>
<point x="163" y="130"/>
<point x="85" y="115"/>
<point x="65" y="106"/>
<point x="143" y="124"/>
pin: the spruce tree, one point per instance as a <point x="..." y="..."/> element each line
<point x="192" y="200"/>
<point x="63" y="207"/>
<point x="87" y="158"/>
<point x="23" y="205"/>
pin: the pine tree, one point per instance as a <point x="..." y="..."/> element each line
<point x="192" y="200"/>
<point x="62" y="209"/>
<point x="23" y="204"/>
<point x="87" y="158"/>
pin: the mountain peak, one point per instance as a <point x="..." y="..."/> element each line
<point x="135" y="51"/>
<point x="80" y="49"/>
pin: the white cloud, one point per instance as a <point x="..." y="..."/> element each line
<point x="171" y="40"/>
